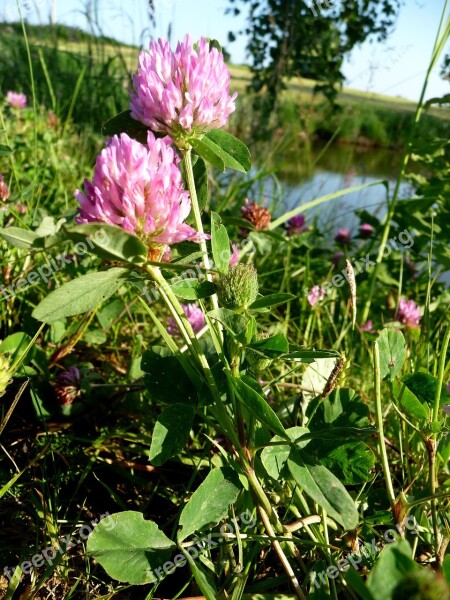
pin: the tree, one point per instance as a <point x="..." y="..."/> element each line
<point x="288" y="38"/>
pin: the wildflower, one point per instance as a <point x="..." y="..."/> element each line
<point x="235" y="256"/>
<point x="140" y="189"/>
<point x="238" y="288"/>
<point x="343" y="236"/>
<point x="408" y="313"/>
<point x="366" y="230"/>
<point x="182" y="93"/>
<point x="295" y="225"/>
<point x="68" y="386"/>
<point x="316" y="293"/>
<point x="4" y="190"/>
<point x="16" y="99"/>
<point x="257" y="215"/>
<point x="368" y="327"/>
<point x="195" y="317"/>
<point x="446" y="409"/>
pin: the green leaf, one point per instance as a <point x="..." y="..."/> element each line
<point x="15" y="345"/>
<point x="231" y="321"/>
<point x="309" y="355"/>
<point x="271" y="347"/>
<point x="271" y="300"/>
<point x="343" y="408"/>
<point x="193" y="289"/>
<point x="250" y="394"/>
<point x="220" y="244"/>
<point x="166" y="379"/>
<point x="80" y="295"/>
<point x="324" y="488"/>
<point x="113" y="242"/>
<point x="409" y="402"/>
<point x="5" y="150"/>
<point x="392" y="347"/>
<point x="124" y="123"/>
<point x="171" y="432"/>
<point x="234" y="153"/>
<point x="210" y="502"/>
<point x="274" y="458"/>
<point x="204" y="581"/>
<point x="393" y="563"/>
<point x="20" y="238"/>
<point x="208" y="152"/>
<point x="424" y="386"/>
<point x="356" y="582"/>
<point x="352" y="463"/>
<point x="95" y="337"/>
<point x="129" y="548"/>
<point x="446" y="569"/>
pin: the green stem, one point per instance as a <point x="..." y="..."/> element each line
<point x="431" y="444"/>
<point x="379" y="421"/>
<point x="198" y="217"/>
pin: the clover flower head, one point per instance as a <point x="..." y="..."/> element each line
<point x="366" y="230"/>
<point x="139" y="188"/>
<point x="16" y="100"/>
<point x="68" y="386"/>
<point x="195" y="317"/>
<point x="343" y="236"/>
<point x="182" y="93"/>
<point x="257" y="215"/>
<point x="408" y="313"/>
<point x="295" y="225"/>
<point x="315" y="295"/>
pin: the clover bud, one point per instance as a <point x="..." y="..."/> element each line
<point x="238" y="288"/>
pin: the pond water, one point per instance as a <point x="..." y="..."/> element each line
<point x="306" y="177"/>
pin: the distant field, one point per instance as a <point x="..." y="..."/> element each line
<point x="241" y="76"/>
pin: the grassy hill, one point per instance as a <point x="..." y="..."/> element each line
<point x="86" y="78"/>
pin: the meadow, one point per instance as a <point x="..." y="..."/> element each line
<point x="215" y="401"/>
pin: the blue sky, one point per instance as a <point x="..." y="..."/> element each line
<point x="395" y="68"/>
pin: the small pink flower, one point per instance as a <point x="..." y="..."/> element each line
<point x="167" y="254"/>
<point x="343" y="236"/>
<point x="4" y="190"/>
<point x="182" y="92"/>
<point x="408" y="313"/>
<point x="368" y="327"/>
<point x="235" y="256"/>
<point x="366" y="230"/>
<point x="138" y="188"/>
<point x="195" y="316"/>
<point x="295" y="225"/>
<point x="315" y="295"/>
<point x="16" y="100"/>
